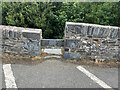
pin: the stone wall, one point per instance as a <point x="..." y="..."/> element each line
<point x="91" y="41"/>
<point x="21" y="41"/>
<point x="81" y="41"/>
<point x="52" y="43"/>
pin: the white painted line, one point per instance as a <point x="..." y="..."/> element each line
<point x="93" y="77"/>
<point x="9" y="78"/>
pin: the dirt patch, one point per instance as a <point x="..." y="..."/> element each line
<point x="11" y="59"/>
<point x="95" y="63"/>
<point x="17" y="59"/>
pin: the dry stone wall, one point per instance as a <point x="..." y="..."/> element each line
<point x="81" y="41"/>
<point x="21" y="41"/>
<point x="91" y="41"/>
<point x="52" y="43"/>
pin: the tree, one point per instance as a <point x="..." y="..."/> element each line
<point x="51" y="16"/>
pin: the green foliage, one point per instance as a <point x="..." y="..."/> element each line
<point x="51" y="16"/>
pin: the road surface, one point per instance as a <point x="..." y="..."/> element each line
<point x="58" y="74"/>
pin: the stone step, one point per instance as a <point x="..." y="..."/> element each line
<point x="52" y="56"/>
<point x="52" y="51"/>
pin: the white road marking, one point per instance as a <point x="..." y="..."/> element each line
<point x="93" y="77"/>
<point x="9" y="78"/>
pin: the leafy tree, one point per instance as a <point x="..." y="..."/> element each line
<point x="51" y="16"/>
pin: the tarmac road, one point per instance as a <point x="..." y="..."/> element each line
<point x="58" y="74"/>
